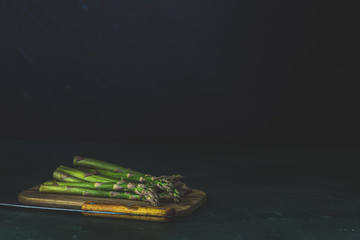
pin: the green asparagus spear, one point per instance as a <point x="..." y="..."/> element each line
<point x="98" y="164"/>
<point x="122" y="176"/>
<point x="91" y="185"/>
<point x="64" y="177"/>
<point x="162" y="184"/>
<point x="140" y="189"/>
<point x="108" y="170"/>
<point x="87" y="176"/>
<point x="89" y="192"/>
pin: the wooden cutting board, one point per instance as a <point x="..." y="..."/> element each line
<point x="188" y="204"/>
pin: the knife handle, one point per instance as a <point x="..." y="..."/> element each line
<point x="145" y="213"/>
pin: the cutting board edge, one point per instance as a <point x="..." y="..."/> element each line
<point x="27" y="197"/>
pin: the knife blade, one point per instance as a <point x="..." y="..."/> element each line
<point x="98" y="209"/>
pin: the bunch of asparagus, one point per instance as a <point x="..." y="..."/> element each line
<point x="92" y="177"/>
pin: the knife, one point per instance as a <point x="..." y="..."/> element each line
<point x="99" y="209"/>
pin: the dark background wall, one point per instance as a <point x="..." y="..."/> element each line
<point x="249" y="72"/>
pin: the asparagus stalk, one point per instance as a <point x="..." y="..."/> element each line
<point x="140" y="189"/>
<point x="91" y="185"/>
<point x="87" y="176"/>
<point x="131" y="175"/>
<point x="128" y="174"/>
<point x="98" y="164"/>
<point x="89" y="192"/>
<point x="162" y="184"/>
<point x="64" y="177"/>
<point x="122" y="176"/>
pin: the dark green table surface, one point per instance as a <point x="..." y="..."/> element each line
<point x="253" y="192"/>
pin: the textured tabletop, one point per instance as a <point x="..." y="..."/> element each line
<point x="253" y="193"/>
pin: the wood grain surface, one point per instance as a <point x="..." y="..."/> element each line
<point x="188" y="204"/>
